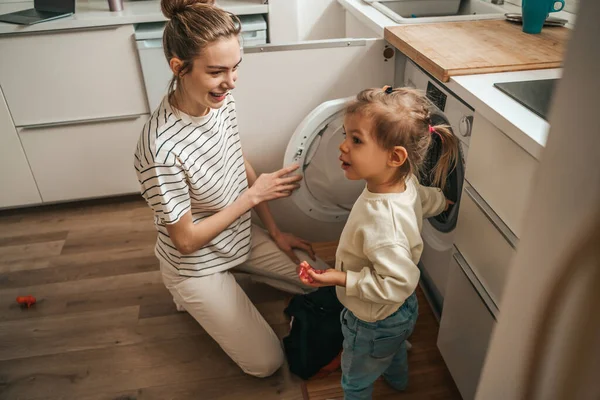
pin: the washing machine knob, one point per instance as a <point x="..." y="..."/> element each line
<point x="466" y="123"/>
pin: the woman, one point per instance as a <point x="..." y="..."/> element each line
<point x="201" y="188"/>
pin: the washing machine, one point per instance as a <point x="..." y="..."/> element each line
<point x="327" y="196"/>
<point x="438" y="232"/>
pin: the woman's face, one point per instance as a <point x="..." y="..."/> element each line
<point x="212" y="76"/>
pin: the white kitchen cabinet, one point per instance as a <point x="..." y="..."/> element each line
<point x="485" y="242"/>
<point x="466" y="326"/>
<point x="84" y="160"/>
<point x="71" y="75"/>
<point x="17" y="186"/>
<point x="501" y="172"/>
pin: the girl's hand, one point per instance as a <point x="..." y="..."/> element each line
<point x="448" y="204"/>
<point x="274" y="185"/>
<point x="288" y="242"/>
<point x="328" y="277"/>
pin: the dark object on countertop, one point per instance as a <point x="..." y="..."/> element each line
<point x="315" y="339"/>
<point x="535" y="95"/>
<point x="550" y="21"/>
<point x="42" y="11"/>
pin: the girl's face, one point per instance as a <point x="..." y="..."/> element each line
<point x="362" y="157"/>
<point x="212" y="76"/>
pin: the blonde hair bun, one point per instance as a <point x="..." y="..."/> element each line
<point x="170" y="8"/>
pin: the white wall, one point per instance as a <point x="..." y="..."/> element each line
<point x="321" y="19"/>
<point x="298" y="20"/>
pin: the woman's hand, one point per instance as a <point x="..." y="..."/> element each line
<point x="274" y="185"/>
<point x="288" y="242"/>
<point x="329" y="277"/>
<point x="448" y="204"/>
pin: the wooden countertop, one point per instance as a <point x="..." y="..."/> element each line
<point x="478" y="47"/>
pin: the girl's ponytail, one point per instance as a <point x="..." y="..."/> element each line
<point x="449" y="154"/>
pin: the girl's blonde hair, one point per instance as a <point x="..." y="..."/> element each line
<point x="192" y="25"/>
<point x="402" y="117"/>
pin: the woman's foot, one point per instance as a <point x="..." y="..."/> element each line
<point x="178" y="306"/>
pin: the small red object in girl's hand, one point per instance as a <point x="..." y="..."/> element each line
<point x="26" y="300"/>
<point x="303" y="272"/>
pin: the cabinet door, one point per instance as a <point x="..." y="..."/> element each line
<point x="466" y="327"/>
<point x="501" y="172"/>
<point x="280" y="85"/>
<point x="485" y="242"/>
<point x="84" y="160"/>
<point x="71" y="75"/>
<point x="17" y="186"/>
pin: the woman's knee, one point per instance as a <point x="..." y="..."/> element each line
<point x="266" y="365"/>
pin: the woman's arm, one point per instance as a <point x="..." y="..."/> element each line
<point x="285" y="241"/>
<point x="189" y="237"/>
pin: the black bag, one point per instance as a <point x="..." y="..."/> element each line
<point x="316" y="335"/>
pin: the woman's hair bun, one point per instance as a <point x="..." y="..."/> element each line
<point x="170" y="8"/>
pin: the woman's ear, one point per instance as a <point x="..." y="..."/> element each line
<point x="398" y="156"/>
<point x="175" y="64"/>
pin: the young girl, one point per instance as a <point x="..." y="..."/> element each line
<point x="388" y="134"/>
<point x="195" y="178"/>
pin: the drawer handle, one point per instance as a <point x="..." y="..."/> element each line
<point x="316" y="44"/>
<point x="512" y="239"/>
<point x="481" y="292"/>
<point x="80" y="121"/>
<point x="149" y="44"/>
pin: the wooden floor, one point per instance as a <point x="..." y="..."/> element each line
<point x="105" y="327"/>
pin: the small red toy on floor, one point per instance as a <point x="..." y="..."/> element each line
<point x="26" y="300"/>
<point x="303" y="272"/>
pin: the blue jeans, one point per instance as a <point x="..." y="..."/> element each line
<point x="372" y="349"/>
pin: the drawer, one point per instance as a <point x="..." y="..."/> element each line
<point x="84" y="160"/>
<point x="466" y="327"/>
<point x="16" y="180"/>
<point x="485" y="242"/>
<point x="71" y="75"/>
<point x="501" y="172"/>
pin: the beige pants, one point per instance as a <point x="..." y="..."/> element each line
<point x="220" y="305"/>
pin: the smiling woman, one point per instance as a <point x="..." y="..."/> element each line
<point x="194" y="176"/>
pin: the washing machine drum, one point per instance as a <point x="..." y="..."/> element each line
<point x="325" y="194"/>
<point x="446" y="221"/>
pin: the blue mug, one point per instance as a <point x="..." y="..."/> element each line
<point x="535" y="13"/>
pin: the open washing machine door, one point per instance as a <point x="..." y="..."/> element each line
<point x="324" y="194"/>
<point x="446" y="221"/>
<point x="438" y="231"/>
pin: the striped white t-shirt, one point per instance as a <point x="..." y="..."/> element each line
<point x="188" y="163"/>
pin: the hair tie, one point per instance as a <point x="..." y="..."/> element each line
<point x="388" y="89"/>
<point x="432" y="131"/>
